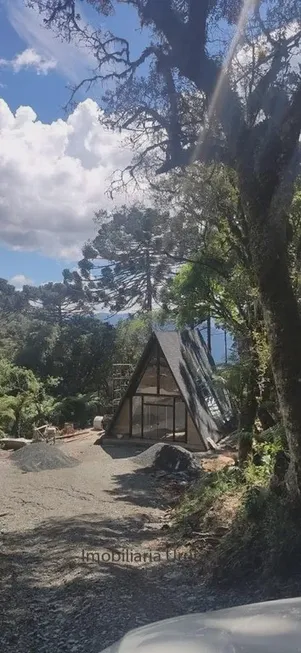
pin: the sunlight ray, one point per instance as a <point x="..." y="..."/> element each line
<point x="217" y="97"/>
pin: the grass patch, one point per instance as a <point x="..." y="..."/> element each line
<point x="201" y="498"/>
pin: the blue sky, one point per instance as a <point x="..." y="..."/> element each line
<point x="55" y="166"/>
<point x="26" y="87"/>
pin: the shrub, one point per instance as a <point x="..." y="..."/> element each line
<point x="263" y="537"/>
<point x="197" y="501"/>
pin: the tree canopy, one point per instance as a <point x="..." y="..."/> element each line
<point x="57" y="365"/>
<point x="124" y="265"/>
<point x="58" y="302"/>
<point x="55" y="362"/>
<point x="189" y="69"/>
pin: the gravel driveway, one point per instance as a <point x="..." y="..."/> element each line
<point x="56" y="600"/>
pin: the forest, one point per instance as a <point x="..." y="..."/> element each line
<point x="57" y="357"/>
<point x="158" y="268"/>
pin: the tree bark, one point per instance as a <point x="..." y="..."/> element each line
<point x="60" y="315"/>
<point x="265" y="417"/>
<point x="283" y="323"/>
<point x="149" y="285"/>
<point x="249" y="408"/>
<point x="268" y="409"/>
<point x="284" y="327"/>
<point x="250" y="383"/>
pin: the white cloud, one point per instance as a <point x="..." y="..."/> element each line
<point x="246" y="57"/>
<point x="73" y="60"/>
<point x="30" y="58"/>
<point x="53" y="177"/>
<point x="20" y="280"/>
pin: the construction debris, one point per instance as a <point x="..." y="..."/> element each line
<point x="45" y="433"/>
<point x="13" y="443"/>
<point x="68" y="428"/>
<point x="98" y="423"/>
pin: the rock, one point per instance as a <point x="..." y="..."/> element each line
<point x="175" y="459"/>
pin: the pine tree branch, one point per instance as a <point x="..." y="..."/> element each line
<point x="206" y="264"/>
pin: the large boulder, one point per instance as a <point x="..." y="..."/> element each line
<point x="175" y="459"/>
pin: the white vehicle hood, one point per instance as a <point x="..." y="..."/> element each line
<point x="271" y="627"/>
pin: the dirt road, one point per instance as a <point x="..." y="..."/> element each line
<point x="79" y="563"/>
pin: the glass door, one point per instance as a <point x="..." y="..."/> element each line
<point x="157" y="421"/>
<point x="136" y="417"/>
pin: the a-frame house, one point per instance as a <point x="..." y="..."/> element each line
<point x="173" y="395"/>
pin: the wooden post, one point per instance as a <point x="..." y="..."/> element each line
<point x="226" y="347"/>
<point x="174" y="419"/>
<point x="131" y="416"/>
<point x="209" y="333"/>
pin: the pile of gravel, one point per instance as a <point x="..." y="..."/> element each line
<point x="176" y="460"/>
<point x="40" y="456"/>
<point x="147" y="457"/>
<point x="169" y="458"/>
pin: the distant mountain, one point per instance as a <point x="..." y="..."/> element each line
<point x="219" y="349"/>
<point x="112" y="319"/>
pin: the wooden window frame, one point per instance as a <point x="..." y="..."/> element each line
<point x="146" y="398"/>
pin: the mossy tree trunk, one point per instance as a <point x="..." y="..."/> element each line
<point x="268" y="223"/>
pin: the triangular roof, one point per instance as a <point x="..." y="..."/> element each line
<point x="192" y="368"/>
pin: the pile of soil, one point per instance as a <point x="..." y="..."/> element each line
<point x="169" y="458"/>
<point x="40" y="456"/>
<point x="176" y="459"/>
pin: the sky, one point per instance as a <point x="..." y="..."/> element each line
<point x="55" y="165"/>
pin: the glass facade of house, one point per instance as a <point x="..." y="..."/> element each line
<point x="157" y="411"/>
